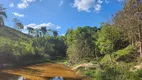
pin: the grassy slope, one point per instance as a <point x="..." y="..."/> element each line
<point x="7" y="32"/>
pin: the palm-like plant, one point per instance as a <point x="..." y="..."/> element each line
<point x="18" y="24"/>
<point x="44" y="30"/>
<point x="2" y="15"/>
<point x="55" y="33"/>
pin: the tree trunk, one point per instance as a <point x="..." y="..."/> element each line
<point x="140" y="39"/>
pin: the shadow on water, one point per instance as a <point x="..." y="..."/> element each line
<point x="6" y="76"/>
<point x="63" y="78"/>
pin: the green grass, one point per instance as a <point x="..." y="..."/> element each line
<point x="7" y="32"/>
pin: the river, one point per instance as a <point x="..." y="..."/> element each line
<point x="46" y="71"/>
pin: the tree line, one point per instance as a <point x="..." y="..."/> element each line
<point x="114" y="47"/>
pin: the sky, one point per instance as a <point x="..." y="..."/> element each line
<point x="60" y="14"/>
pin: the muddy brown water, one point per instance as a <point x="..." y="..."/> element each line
<point x="47" y="71"/>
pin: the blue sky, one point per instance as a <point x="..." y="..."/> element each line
<point x="60" y="14"/>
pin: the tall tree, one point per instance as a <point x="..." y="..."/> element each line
<point x="55" y="33"/>
<point x="18" y="24"/>
<point x="138" y="15"/>
<point x="107" y="39"/>
<point x="80" y="44"/>
<point x="129" y="21"/>
<point x="44" y="30"/>
<point x="2" y="15"/>
<point x="69" y="36"/>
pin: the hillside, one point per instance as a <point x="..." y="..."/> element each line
<point x="13" y="44"/>
<point x="7" y="32"/>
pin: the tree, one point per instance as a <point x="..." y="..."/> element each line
<point x="69" y="36"/>
<point x="138" y="15"/>
<point x="2" y="15"/>
<point x="18" y="24"/>
<point x="44" y="30"/>
<point x="49" y="46"/>
<point x="55" y="33"/>
<point x="130" y="23"/>
<point x="107" y="40"/>
<point x="80" y="44"/>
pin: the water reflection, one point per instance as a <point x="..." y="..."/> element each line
<point x="7" y="76"/>
<point x="15" y="77"/>
<point x="55" y="78"/>
<point x="21" y="78"/>
<point x="58" y="78"/>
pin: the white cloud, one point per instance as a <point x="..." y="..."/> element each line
<point x="24" y="31"/>
<point x="61" y="3"/>
<point x="17" y="14"/>
<point x="100" y="1"/>
<point x="58" y="27"/>
<point x="25" y="4"/>
<point x="97" y="7"/>
<point x="62" y="34"/>
<point x="11" y="5"/>
<point x="84" y="5"/>
<point x="48" y="25"/>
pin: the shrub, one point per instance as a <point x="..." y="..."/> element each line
<point x="89" y="73"/>
<point x="127" y="54"/>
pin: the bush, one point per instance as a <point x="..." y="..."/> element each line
<point x="131" y="76"/>
<point x="89" y="73"/>
<point x="117" y="72"/>
<point x="127" y="54"/>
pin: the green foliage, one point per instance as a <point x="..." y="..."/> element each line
<point x="105" y="46"/>
<point x="107" y="38"/>
<point x="17" y="24"/>
<point x="116" y="72"/>
<point x="11" y="51"/>
<point x="12" y="34"/>
<point x="89" y="73"/>
<point x="80" y="43"/>
<point x="139" y="73"/>
<point x="49" y="47"/>
<point x="77" y="54"/>
<point x="126" y="50"/>
<point x="105" y="59"/>
<point x="18" y="48"/>
<point x="127" y="20"/>
<point x="131" y="76"/>
<point x="127" y="54"/>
